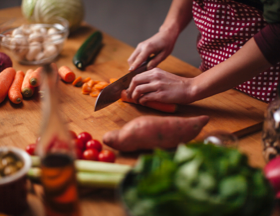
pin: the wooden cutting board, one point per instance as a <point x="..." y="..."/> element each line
<point x="232" y="111"/>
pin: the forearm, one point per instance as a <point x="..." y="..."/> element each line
<point x="242" y="66"/>
<point x="178" y="17"/>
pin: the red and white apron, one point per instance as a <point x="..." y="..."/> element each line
<point x="225" y="26"/>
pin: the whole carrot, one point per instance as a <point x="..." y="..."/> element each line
<point x="164" y="107"/>
<point x="14" y="93"/>
<point x="66" y="74"/>
<point x="26" y="89"/>
<point x="6" y="79"/>
<point x="36" y="77"/>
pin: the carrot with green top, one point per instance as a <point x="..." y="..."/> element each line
<point x="14" y="93"/>
<point x="6" y="79"/>
<point x="164" y="107"/>
<point x="36" y="77"/>
<point x="26" y="89"/>
<point x="66" y="74"/>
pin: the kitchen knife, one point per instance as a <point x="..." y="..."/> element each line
<point x="112" y="92"/>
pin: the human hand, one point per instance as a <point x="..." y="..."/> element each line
<point x="159" y="85"/>
<point x="161" y="45"/>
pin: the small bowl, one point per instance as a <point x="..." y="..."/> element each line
<point x="13" y="188"/>
<point x="35" y="44"/>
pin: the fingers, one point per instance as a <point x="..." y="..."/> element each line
<point x="139" y="79"/>
<point x="138" y="60"/>
<point x="156" y="60"/>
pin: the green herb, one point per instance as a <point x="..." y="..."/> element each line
<point x="197" y="180"/>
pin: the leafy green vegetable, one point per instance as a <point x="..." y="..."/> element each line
<point x="197" y="180"/>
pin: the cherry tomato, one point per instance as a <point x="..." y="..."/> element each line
<point x="106" y="156"/>
<point x="79" y="153"/>
<point x="90" y="154"/>
<point x="30" y="149"/>
<point x="84" y="137"/>
<point x="94" y="144"/>
<point x="79" y="144"/>
<point x="73" y="134"/>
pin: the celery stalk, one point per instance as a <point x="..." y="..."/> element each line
<point x="95" y="179"/>
<point x="92" y="166"/>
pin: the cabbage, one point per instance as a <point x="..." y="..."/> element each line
<point x="43" y="11"/>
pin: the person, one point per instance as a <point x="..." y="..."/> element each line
<point x="239" y="45"/>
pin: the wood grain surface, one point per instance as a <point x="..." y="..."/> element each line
<point x="232" y="111"/>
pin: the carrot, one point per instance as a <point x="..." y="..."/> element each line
<point x="94" y="92"/>
<point x="36" y="77"/>
<point x="26" y="89"/>
<point x="164" y="107"/>
<point x="14" y="93"/>
<point x="91" y="83"/>
<point x="101" y="85"/>
<point x="77" y="82"/>
<point x="6" y="79"/>
<point x="149" y="132"/>
<point x="112" y="80"/>
<point x="86" y="89"/>
<point x="86" y="79"/>
<point x="66" y="74"/>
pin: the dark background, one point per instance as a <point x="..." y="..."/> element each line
<point x="133" y="21"/>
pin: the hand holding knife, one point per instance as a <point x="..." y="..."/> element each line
<point x="112" y="92"/>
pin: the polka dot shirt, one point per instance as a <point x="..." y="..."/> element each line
<point x="225" y="26"/>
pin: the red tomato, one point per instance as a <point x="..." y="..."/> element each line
<point x="106" y="156"/>
<point x="30" y="149"/>
<point x="84" y="137"/>
<point x="79" y="153"/>
<point x="79" y="144"/>
<point x="90" y="154"/>
<point x="73" y="134"/>
<point x="94" y="144"/>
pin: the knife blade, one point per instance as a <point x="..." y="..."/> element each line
<point x="112" y="92"/>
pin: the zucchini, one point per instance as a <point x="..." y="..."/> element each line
<point x="88" y="51"/>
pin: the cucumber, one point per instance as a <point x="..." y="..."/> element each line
<point x="88" y="51"/>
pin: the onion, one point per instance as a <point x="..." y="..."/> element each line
<point x="5" y="61"/>
<point x="272" y="173"/>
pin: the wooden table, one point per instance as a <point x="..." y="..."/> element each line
<point x="19" y="124"/>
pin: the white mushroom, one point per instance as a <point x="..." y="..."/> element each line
<point x="34" y="49"/>
<point x="35" y="36"/>
<point x="50" y="50"/>
<point x="40" y="56"/>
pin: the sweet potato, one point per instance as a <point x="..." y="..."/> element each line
<point x="148" y="132"/>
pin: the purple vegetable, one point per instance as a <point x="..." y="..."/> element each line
<point x="5" y="61"/>
<point x="272" y="173"/>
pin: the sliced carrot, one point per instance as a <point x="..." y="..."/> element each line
<point x="14" y="93"/>
<point x="91" y="83"/>
<point x="112" y="80"/>
<point x="86" y="89"/>
<point x="101" y="85"/>
<point x="35" y="78"/>
<point x="66" y="74"/>
<point x="77" y="82"/>
<point x="94" y="92"/>
<point x="164" y="107"/>
<point x="26" y="89"/>
<point x="6" y="79"/>
<point x="86" y="79"/>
